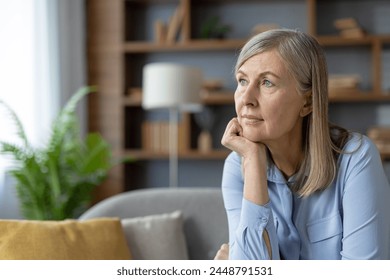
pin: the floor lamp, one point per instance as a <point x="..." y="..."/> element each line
<point x="175" y="87"/>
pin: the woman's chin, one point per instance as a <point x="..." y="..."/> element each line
<point x="251" y="136"/>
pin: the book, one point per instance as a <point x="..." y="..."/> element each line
<point x="355" y="32"/>
<point x="379" y="133"/>
<point x="146" y="136"/>
<point x="345" y="23"/>
<point x="349" y="28"/>
<point x="156" y="136"/>
<point x="344" y="81"/>
<point x="160" y="31"/>
<point x="175" y="23"/>
<point x="381" y="138"/>
<point x="185" y="32"/>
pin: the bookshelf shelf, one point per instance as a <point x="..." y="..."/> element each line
<point x="191" y="154"/>
<point x="334" y="40"/>
<point x="340" y="41"/>
<point x="220" y="98"/>
<point x="192" y="45"/>
<point x="235" y="44"/>
<point x="359" y="97"/>
<point x="134" y="98"/>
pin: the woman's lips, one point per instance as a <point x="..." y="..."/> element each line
<point x="251" y="119"/>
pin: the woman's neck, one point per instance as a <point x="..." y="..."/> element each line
<point x="287" y="157"/>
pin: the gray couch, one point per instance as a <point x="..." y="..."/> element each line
<point x="205" y="222"/>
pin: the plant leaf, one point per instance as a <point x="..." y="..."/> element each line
<point x="97" y="154"/>
<point x="17" y="151"/>
<point x="18" y="124"/>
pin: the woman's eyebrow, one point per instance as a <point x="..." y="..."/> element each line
<point x="240" y="72"/>
<point x="262" y="74"/>
<point x="269" y="73"/>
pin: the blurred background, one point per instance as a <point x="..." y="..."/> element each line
<point x="51" y="48"/>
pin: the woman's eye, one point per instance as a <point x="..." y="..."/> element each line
<point x="267" y="83"/>
<point x="242" y="82"/>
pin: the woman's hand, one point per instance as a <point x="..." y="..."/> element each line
<point x="234" y="140"/>
<point x="223" y="252"/>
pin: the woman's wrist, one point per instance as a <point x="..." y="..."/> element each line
<point x="255" y="158"/>
<point x="255" y="176"/>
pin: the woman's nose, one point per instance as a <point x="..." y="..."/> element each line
<point x="249" y="96"/>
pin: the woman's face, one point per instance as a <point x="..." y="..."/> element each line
<point x="268" y="106"/>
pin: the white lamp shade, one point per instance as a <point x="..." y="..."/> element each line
<point x="168" y="85"/>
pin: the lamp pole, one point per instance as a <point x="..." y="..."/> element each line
<point x="173" y="147"/>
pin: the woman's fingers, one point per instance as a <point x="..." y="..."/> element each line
<point x="223" y="252"/>
<point x="232" y="133"/>
<point x="234" y="140"/>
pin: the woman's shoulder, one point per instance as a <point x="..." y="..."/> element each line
<point x="358" y="142"/>
<point x="360" y="146"/>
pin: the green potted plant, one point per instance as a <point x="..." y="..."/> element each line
<point x="212" y="28"/>
<point x="55" y="181"/>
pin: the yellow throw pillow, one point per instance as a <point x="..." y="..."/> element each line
<point x="95" y="239"/>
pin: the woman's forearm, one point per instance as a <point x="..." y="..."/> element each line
<point x="255" y="178"/>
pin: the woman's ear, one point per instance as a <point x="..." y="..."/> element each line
<point x="307" y="106"/>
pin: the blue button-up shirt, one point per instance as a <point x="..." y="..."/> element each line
<point x="348" y="220"/>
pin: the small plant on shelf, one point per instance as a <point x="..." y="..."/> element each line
<point x="214" y="29"/>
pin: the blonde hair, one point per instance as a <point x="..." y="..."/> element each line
<point x="306" y="62"/>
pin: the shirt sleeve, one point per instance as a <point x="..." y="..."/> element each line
<point x="366" y="200"/>
<point x="247" y="221"/>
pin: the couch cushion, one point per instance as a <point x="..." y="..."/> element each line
<point x="100" y="238"/>
<point x="204" y="215"/>
<point x="156" y="237"/>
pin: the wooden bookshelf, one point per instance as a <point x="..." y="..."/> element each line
<point x="116" y="54"/>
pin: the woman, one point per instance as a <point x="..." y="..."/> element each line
<point x="296" y="187"/>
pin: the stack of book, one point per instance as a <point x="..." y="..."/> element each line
<point x="381" y="137"/>
<point x="343" y="84"/>
<point x="156" y="138"/>
<point x="176" y="26"/>
<point x="349" y="28"/>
